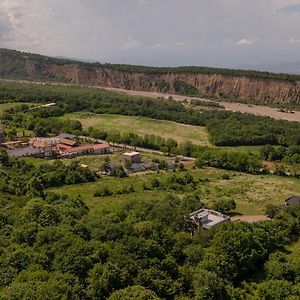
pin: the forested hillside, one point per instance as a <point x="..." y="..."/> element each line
<point x="226" y="84"/>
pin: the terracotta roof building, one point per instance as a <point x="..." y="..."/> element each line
<point x="86" y="150"/>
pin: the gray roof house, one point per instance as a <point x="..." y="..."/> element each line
<point x="66" y="136"/>
<point x="208" y="218"/>
<point x="293" y="200"/>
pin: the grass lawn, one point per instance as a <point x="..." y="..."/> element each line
<point x="251" y="192"/>
<point x="4" y="106"/>
<point x="95" y="161"/>
<point x="294" y="250"/>
<point x="142" y="126"/>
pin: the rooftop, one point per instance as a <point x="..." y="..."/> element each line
<point x="66" y="136"/>
<point x="68" y="142"/>
<point x="208" y="218"/>
<point x="88" y="148"/>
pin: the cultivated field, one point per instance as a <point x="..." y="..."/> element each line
<point x="142" y="126"/>
<point x="250" y="192"/>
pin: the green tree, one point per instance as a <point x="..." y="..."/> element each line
<point x="135" y="293"/>
<point x="224" y="205"/>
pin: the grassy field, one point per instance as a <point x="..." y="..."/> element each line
<point x="95" y="161"/>
<point x="142" y="126"/>
<point x="251" y="192"/>
<point x="294" y="250"/>
<point x="4" y="106"/>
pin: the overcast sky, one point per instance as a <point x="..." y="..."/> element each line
<point x="156" y="32"/>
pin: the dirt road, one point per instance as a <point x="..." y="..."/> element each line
<point x="232" y="106"/>
<point x="236" y="107"/>
<point x="250" y="219"/>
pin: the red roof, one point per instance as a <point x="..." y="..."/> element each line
<point x="38" y="144"/>
<point x="101" y="146"/>
<point x="88" y="148"/>
<point x="63" y="146"/>
<point x="68" y="142"/>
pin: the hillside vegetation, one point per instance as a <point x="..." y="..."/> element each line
<point x="12" y="63"/>
<point x="216" y="83"/>
<point x="225" y="128"/>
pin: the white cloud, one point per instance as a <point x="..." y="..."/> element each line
<point x="245" y="41"/>
<point x="159" y="46"/>
<point x="294" y="41"/>
<point x="180" y="43"/>
<point x="131" y="43"/>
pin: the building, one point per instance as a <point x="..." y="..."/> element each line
<point x="44" y="147"/>
<point x="293" y="200"/>
<point x="66" y="136"/>
<point x="86" y="150"/>
<point x="207" y="218"/>
<point x="51" y="141"/>
<point x="133" y="157"/>
<point x="24" y="152"/>
<point x="68" y="142"/>
<point x="2" y="134"/>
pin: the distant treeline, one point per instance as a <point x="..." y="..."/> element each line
<point x="12" y="63"/>
<point x="225" y="128"/>
<point x="202" y="70"/>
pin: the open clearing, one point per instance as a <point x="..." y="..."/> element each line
<point x="251" y="192"/>
<point x="142" y="126"/>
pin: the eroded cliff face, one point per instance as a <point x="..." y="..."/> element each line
<point x="220" y="86"/>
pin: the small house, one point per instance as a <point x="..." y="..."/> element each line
<point x="208" y="218"/>
<point x="133" y="157"/>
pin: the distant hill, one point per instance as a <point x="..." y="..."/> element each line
<point x="228" y="84"/>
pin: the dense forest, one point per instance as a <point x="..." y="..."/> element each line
<point x="52" y="247"/>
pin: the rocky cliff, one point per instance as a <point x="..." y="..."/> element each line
<point x="219" y="83"/>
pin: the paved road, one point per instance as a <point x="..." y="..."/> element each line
<point x="133" y="148"/>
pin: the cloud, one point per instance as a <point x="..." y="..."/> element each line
<point x="217" y="33"/>
<point x="159" y="46"/>
<point x="142" y="2"/>
<point x="245" y="41"/>
<point x="131" y="43"/>
<point x="294" y="41"/>
<point x="294" y="8"/>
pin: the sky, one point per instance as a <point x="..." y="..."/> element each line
<point x="221" y="33"/>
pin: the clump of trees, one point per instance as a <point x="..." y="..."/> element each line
<point x="290" y="155"/>
<point x="224" y="206"/>
<point x="20" y="177"/>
